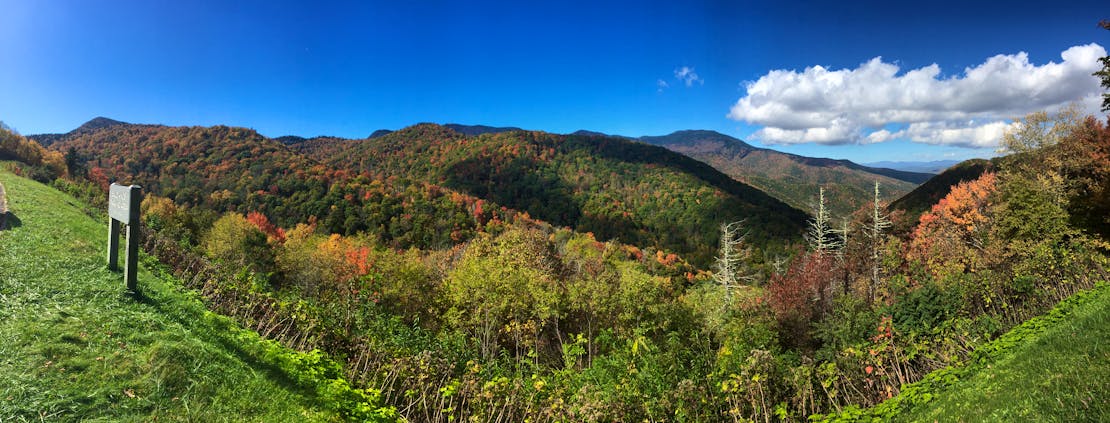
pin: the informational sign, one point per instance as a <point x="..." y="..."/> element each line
<point x="123" y="209"/>
<point x="123" y="202"/>
<point x="3" y="201"/>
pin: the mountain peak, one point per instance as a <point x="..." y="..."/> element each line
<point x="692" y="137"/>
<point x="380" y="132"/>
<point x="473" y="130"/>
<point x="588" y="133"/>
<point x="98" y="122"/>
<point x="700" y="132"/>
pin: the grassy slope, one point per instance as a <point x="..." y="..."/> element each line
<point x="1052" y="368"/>
<point x="74" y="346"/>
<point x="1062" y="374"/>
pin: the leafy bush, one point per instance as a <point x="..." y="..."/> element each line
<point x="926" y="307"/>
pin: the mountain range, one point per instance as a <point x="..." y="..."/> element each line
<point x="789" y="177"/>
<point x="934" y="166"/>
<point x="611" y="186"/>
<point x="431" y="186"/>
<point x="792" y="178"/>
<point x="667" y="191"/>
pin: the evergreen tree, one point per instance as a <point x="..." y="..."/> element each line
<point x="1104" y="74"/>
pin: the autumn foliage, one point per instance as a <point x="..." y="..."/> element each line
<point x="948" y="237"/>
<point x="617" y="189"/>
<point x="273" y="233"/>
<point x="15" y="147"/>
<point x="800" y="295"/>
<point x="440" y="289"/>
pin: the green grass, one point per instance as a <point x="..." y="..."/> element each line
<point x="75" y="347"/>
<point x="1060" y="375"/>
<point x="1051" y="368"/>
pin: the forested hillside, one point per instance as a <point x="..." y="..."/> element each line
<point x="45" y="165"/>
<point x="616" y="189"/>
<point x="792" y="178"/>
<point x="221" y="169"/>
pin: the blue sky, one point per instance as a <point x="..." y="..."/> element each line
<point x="347" y="69"/>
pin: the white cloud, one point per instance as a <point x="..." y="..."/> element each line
<point x="859" y="105"/>
<point x="966" y="134"/>
<point x="687" y="75"/>
<point x="661" y="85"/>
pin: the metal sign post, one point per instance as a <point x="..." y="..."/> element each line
<point x="123" y="208"/>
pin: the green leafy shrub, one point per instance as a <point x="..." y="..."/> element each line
<point x="926" y="307"/>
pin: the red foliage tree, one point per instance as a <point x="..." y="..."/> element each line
<point x="800" y="295"/>
<point x="273" y="233"/>
<point x="1086" y="164"/>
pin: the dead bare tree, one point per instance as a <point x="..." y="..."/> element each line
<point x="822" y="237"/>
<point x="880" y="222"/>
<point x="730" y="269"/>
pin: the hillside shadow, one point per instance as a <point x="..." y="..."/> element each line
<point x="518" y="183"/>
<point x="634" y="152"/>
<point x="9" y="220"/>
<point x="221" y="332"/>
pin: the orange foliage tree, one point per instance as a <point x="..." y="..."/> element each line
<point x="949" y="238"/>
<point x="273" y="233"/>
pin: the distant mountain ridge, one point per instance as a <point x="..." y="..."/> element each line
<point x="934" y="167"/>
<point x="688" y="138"/>
<point x="473" y="130"/>
<point x="584" y="132"/>
<point x="786" y="177"/>
<point x="790" y="177"/>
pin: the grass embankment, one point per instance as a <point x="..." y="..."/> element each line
<point x="1052" y="368"/>
<point x="75" y="346"/>
<point x="1057" y="369"/>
